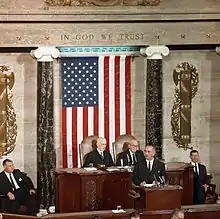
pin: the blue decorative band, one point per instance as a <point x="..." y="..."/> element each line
<point x="68" y="51"/>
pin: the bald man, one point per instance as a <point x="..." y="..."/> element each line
<point x="150" y="169"/>
<point x="178" y="214"/>
<point x="99" y="156"/>
<point x="131" y="155"/>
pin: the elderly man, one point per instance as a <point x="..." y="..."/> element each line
<point x="149" y="170"/>
<point x="99" y="156"/>
<point x="200" y="178"/>
<point x="178" y="214"/>
<point x="131" y="155"/>
<point x="17" y="188"/>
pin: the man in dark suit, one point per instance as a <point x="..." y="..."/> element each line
<point x="131" y="155"/>
<point x="99" y="156"/>
<point x="17" y="188"/>
<point x="200" y="178"/>
<point x="149" y="170"/>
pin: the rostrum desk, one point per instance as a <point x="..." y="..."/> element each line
<point x="80" y="190"/>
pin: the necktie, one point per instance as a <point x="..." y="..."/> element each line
<point x="196" y="168"/>
<point x="12" y="182"/>
<point x="102" y="155"/>
<point x="134" y="158"/>
<point x="149" y="167"/>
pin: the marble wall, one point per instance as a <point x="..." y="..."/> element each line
<point x="25" y="103"/>
<point x="205" y="107"/>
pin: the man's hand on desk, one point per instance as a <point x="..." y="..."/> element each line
<point x="205" y="187"/>
<point x="11" y="196"/>
<point x="143" y="183"/>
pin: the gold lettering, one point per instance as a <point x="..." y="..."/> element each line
<point x="85" y="37"/>
<point x="131" y="36"/>
<point x="65" y="37"/>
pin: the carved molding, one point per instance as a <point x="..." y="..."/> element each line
<point x="186" y="79"/>
<point x="102" y="3"/>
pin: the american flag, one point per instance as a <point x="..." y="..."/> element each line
<point x="96" y="100"/>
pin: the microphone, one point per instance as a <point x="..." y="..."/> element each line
<point x="164" y="179"/>
<point x="155" y="179"/>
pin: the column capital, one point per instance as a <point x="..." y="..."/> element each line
<point x="217" y="49"/>
<point x="155" y="52"/>
<point x="45" y="53"/>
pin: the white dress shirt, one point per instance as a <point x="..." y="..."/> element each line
<point x="132" y="158"/>
<point x="101" y="152"/>
<point x="195" y="166"/>
<point x="151" y="163"/>
<point x="13" y="178"/>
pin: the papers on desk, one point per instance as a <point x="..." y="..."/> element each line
<point x="148" y="185"/>
<point x="112" y="169"/>
<point x="90" y="168"/>
<point x="118" y="211"/>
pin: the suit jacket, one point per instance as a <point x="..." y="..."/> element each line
<point x="126" y="157"/>
<point x="96" y="159"/>
<point x="141" y="172"/>
<point x="23" y="181"/>
<point x="201" y="179"/>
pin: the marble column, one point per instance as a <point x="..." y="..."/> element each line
<point x="154" y="97"/>
<point x="46" y="157"/>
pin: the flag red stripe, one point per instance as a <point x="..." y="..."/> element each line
<point x="96" y="120"/>
<point x="128" y="93"/>
<point x="64" y="151"/>
<point x="85" y="121"/>
<point x="117" y="96"/>
<point x="106" y="99"/>
<point x="74" y="137"/>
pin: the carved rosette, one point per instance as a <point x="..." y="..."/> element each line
<point x="102" y="3"/>
<point x="185" y="77"/>
<point x="8" y="126"/>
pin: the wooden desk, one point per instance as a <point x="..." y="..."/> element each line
<point x="81" y="190"/>
<point x="91" y="214"/>
<point x="158" y="198"/>
<point x="183" y="176"/>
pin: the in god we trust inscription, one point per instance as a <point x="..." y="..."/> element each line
<point x="103" y="37"/>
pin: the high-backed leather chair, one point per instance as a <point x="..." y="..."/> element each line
<point x="87" y="145"/>
<point x="121" y="144"/>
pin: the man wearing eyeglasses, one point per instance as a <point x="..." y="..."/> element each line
<point x="131" y="155"/>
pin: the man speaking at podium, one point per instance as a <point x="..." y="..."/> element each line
<point x="149" y="170"/>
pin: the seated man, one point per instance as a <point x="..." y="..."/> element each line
<point x="99" y="156"/>
<point x="17" y="188"/>
<point x="178" y="214"/>
<point x="200" y="178"/>
<point x="149" y="170"/>
<point x="131" y="155"/>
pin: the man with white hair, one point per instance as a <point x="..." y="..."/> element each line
<point x="99" y="156"/>
<point x="131" y="155"/>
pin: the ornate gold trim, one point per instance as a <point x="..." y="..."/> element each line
<point x="102" y="3"/>
<point x="8" y="123"/>
<point x="186" y="79"/>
